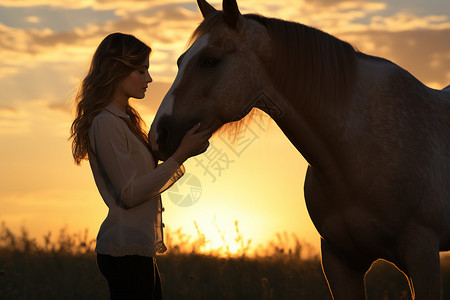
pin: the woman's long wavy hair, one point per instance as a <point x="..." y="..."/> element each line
<point x="115" y="58"/>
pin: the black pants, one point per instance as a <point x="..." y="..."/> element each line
<point x="131" y="277"/>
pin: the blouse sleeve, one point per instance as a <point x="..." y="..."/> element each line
<point x="109" y="142"/>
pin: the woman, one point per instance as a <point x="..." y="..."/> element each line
<point x="109" y="132"/>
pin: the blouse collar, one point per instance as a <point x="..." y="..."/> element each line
<point x="115" y="110"/>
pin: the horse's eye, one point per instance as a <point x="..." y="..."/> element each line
<point x="209" y="62"/>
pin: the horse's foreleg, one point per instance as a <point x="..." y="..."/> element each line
<point x="421" y="256"/>
<point x="345" y="283"/>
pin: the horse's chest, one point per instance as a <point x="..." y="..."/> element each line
<point x="348" y="223"/>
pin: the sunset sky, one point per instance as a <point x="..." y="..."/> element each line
<point x="45" y="50"/>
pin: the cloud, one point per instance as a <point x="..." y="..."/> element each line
<point x="127" y="5"/>
<point x="33" y="19"/>
<point x="13" y="121"/>
<point x="49" y="63"/>
<point x="27" y="47"/>
<point x="40" y="116"/>
<point x="404" y="21"/>
<point x="422" y="52"/>
<point x="162" y="25"/>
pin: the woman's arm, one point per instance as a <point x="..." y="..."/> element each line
<point x="193" y="143"/>
<point x="109" y="141"/>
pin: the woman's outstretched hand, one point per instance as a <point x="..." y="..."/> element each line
<point x="193" y="143"/>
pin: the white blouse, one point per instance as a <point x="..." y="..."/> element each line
<point x="130" y="185"/>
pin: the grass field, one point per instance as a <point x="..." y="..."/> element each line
<point x="65" y="268"/>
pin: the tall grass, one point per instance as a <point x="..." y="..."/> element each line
<point x="64" y="267"/>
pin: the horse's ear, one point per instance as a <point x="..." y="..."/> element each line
<point x="231" y="13"/>
<point x="206" y="8"/>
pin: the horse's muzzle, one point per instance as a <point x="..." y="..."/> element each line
<point x="165" y="136"/>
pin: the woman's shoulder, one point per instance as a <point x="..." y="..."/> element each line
<point x="105" y="116"/>
<point x="106" y="121"/>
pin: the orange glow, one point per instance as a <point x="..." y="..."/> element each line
<point x="261" y="187"/>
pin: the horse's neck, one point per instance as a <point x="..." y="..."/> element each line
<point x="312" y="133"/>
<point x="319" y="131"/>
<point x="328" y="136"/>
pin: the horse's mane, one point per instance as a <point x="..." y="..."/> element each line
<point x="207" y="25"/>
<point x="309" y="66"/>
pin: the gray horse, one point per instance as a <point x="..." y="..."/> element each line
<point x="376" y="139"/>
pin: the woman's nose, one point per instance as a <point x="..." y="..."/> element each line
<point x="149" y="79"/>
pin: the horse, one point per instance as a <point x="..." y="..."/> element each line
<point x="377" y="140"/>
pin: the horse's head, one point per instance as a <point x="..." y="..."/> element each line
<point x="218" y="76"/>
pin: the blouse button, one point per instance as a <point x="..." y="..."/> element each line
<point x="163" y="209"/>
<point x="163" y="225"/>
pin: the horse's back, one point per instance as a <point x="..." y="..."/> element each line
<point x="403" y="126"/>
<point x="438" y="162"/>
<point x="445" y="94"/>
<point x="442" y="111"/>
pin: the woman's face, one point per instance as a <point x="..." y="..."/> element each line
<point x="136" y="83"/>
